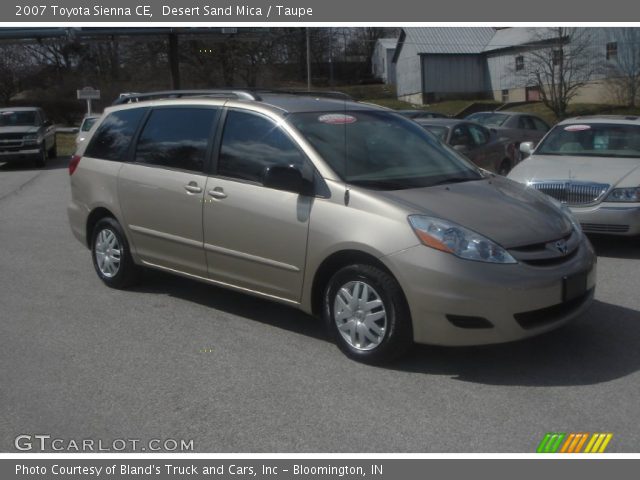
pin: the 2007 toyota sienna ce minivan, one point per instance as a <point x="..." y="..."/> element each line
<point x="347" y="211"/>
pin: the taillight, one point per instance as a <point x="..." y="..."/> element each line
<point x="73" y="164"/>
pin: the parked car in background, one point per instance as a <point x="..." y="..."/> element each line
<point x="518" y="126"/>
<point x="87" y="122"/>
<point x="483" y="146"/>
<point x="420" y="114"/>
<point x="341" y="209"/>
<point x="592" y="165"/>
<point x="26" y="135"/>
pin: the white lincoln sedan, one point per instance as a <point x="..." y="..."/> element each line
<point x="591" y="165"/>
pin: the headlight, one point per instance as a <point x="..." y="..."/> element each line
<point x="461" y="242"/>
<point x="624" y="195"/>
<point x="31" y="138"/>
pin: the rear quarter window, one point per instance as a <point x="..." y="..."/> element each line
<point x="113" y="137"/>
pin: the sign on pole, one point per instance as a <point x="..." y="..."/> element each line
<point x="88" y="94"/>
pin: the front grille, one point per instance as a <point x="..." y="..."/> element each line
<point x="555" y="313"/>
<point x="11" y="136"/>
<point x="572" y="192"/>
<point x="601" y="228"/>
<point x="549" y="253"/>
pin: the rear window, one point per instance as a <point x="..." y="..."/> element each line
<point x="112" y="140"/>
<point x="489" y="119"/>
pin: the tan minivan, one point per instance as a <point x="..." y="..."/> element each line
<point x="347" y="211"/>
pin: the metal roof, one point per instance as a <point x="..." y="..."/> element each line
<point x="517" y="36"/>
<point x="449" y="39"/>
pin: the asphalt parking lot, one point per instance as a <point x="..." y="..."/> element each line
<point x="177" y="359"/>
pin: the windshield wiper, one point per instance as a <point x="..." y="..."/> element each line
<point x="454" y="180"/>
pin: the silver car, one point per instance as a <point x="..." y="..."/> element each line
<point x="26" y="135"/>
<point x="592" y="165"/>
<point x="346" y="211"/>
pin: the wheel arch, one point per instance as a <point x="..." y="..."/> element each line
<point x="335" y="262"/>
<point x="94" y="217"/>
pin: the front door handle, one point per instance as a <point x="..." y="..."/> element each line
<point x="192" y="187"/>
<point x="217" y="192"/>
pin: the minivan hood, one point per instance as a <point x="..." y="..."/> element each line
<point x="609" y="170"/>
<point x="502" y="210"/>
<point x="25" y="129"/>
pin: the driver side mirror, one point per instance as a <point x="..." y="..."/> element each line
<point x="286" y="178"/>
<point x="527" y="148"/>
<point x="47" y="123"/>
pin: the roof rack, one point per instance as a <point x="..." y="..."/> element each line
<point x="221" y="93"/>
<point x="311" y="93"/>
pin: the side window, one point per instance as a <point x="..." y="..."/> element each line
<point x="113" y="137"/>
<point x="539" y="124"/>
<point x="480" y="135"/>
<point x="176" y="138"/>
<point x="526" y="123"/>
<point x="461" y="136"/>
<point x="250" y="143"/>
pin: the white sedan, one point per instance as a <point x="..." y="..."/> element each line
<point x="591" y="165"/>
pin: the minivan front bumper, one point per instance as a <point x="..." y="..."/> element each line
<point x="462" y="302"/>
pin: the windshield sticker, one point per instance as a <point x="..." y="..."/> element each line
<point x="337" y="119"/>
<point x="577" y="128"/>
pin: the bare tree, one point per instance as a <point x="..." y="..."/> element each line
<point x="559" y="62"/>
<point x="13" y="69"/>
<point x="623" y="67"/>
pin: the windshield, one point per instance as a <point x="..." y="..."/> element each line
<point x="11" y="119"/>
<point x="381" y="150"/>
<point x="489" y="119"/>
<point x="592" y="139"/>
<point x="88" y="123"/>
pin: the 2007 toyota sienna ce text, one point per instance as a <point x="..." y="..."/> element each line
<point x="345" y="210"/>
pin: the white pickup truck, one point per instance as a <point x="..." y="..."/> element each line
<point x="26" y="134"/>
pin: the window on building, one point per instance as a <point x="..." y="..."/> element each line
<point x="612" y="50"/>
<point x="519" y="62"/>
<point x="505" y="95"/>
<point x="557" y="57"/>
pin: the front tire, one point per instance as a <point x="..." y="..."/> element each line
<point x="41" y="160"/>
<point x="53" y="151"/>
<point x="111" y="255"/>
<point x="367" y="314"/>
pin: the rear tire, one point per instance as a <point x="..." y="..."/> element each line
<point x="367" y="314"/>
<point x="53" y="151"/>
<point x="111" y="255"/>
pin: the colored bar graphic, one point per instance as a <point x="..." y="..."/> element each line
<point x="552" y="442"/>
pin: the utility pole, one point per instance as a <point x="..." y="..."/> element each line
<point x="308" y="61"/>
<point x="174" y="60"/>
